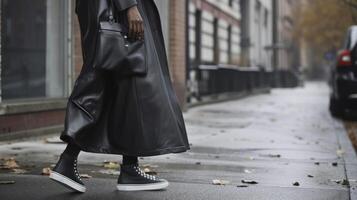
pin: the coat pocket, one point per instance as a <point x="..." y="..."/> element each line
<point x="84" y="110"/>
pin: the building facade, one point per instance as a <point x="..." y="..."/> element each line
<point x="286" y="51"/>
<point x="284" y="37"/>
<point x="257" y="22"/>
<point x="214" y="37"/>
<point x="213" y="47"/>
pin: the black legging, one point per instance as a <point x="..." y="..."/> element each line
<point x="73" y="151"/>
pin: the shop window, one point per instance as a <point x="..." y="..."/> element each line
<point x="34" y="44"/>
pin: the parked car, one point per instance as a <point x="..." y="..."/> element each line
<point x="343" y="80"/>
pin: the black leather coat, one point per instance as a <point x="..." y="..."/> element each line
<point x="137" y="116"/>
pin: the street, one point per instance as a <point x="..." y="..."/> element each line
<point x="279" y="145"/>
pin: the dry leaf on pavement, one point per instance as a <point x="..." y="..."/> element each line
<point x="220" y="182"/>
<point x="10" y="163"/>
<point x="85" y="176"/>
<point x="247" y="171"/>
<point x="242" y="186"/>
<point x="109" y="172"/>
<point x="111" y="165"/>
<point x="149" y="171"/>
<point x="6" y="182"/>
<point x="46" y="171"/>
<point x="19" y="171"/>
<point x="340" y="152"/>
<point x="249" y="182"/>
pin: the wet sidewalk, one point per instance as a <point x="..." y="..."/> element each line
<point x="282" y="145"/>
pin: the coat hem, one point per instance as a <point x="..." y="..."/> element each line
<point x="93" y="149"/>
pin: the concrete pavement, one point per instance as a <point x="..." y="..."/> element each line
<point x="286" y="141"/>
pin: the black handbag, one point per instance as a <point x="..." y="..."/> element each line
<point x="115" y="51"/>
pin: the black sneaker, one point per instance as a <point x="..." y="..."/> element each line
<point x="132" y="178"/>
<point x="65" y="172"/>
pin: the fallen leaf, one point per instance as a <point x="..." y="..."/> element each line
<point x="19" y="171"/>
<point x="85" y="176"/>
<point x="220" y="182"/>
<point x="6" y="182"/>
<point x="46" y="171"/>
<point x="149" y="171"/>
<point x="110" y="172"/>
<point x="336" y="181"/>
<point x="345" y="182"/>
<point x="342" y="182"/>
<point x="150" y="165"/>
<point x="247" y="171"/>
<point x="242" y="186"/>
<point x="270" y="155"/>
<point x="53" y="141"/>
<point x="249" y="182"/>
<point x="111" y="165"/>
<point x="340" y="152"/>
<point x="10" y="163"/>
<point x="296" y="184"/>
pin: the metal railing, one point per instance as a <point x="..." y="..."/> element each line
<point x="214" y="80"/>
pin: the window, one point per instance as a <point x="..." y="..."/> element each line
<point x="207" y="37"/>
<point x="235" y="45"/>
<point x="192" y="31"/>
<point x="34" y="49"/>
<point x="223" y="41"/>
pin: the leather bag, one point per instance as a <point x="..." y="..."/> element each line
<point x="115" y="51"/>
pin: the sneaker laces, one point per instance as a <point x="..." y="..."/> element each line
<point x="144" y="174"/>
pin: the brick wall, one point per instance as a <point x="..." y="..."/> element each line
<point x="27" y="121"/>
<point x="177" y="48"/>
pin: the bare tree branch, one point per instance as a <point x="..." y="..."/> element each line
<point x="351" y="3"/>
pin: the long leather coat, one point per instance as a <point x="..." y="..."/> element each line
<point x="107" y="113"/>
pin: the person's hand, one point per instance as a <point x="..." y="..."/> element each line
<point x="136" y="24"/>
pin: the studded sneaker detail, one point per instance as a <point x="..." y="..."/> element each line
<point x="66" y="173"/>
<point x="132" y="178"/>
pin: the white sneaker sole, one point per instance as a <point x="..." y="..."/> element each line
<point x="67" y="182"/>
<point x="143" y="187"/>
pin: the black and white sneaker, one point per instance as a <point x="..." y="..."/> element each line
<point x="132" y="178"/>
<point x="65" y="172"/>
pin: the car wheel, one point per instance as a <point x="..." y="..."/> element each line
<point x="336" y="107"/>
